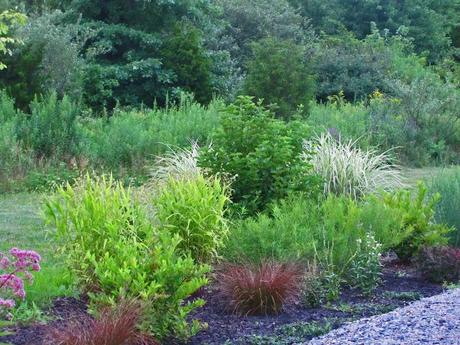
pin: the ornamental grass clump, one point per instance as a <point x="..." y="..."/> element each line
<point x="113" y="326"/>
<point x="16" y="268"/>
<point x="179" y="164"/>
<point x="348" y="170"/>
<point x="259" y="290"/>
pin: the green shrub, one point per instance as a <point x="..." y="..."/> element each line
<point x="420" y="119"/>
<point x="299" y="229"/>
<point x="184" y="54"/>
<point x="193" y="209"/>
<point x="116" y="253"/>
<point x="260" y="153"/>
<point x="50" y="131"/>
<point x="279" y="74"/>
<point x="417" y="220"/>
<point x="319" y="286"/>
<point x="283" y="235"/>
<point x="447" y="183"/>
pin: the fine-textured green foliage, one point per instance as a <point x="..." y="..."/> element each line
<point x="261" y="154"/>
<point x="283" y="235"/>
<point x="116" y="253"/>
<point x="128" y="138"/>
<point x="51" y="128"/>
<point x="279" y="75"/>
<point x="447" y="184"/>
<point x="193" y="209"/>
<point x="348" y="170"/>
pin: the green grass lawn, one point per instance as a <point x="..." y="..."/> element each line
<point x="412" y="175"/>
<point x="21" y="226"/>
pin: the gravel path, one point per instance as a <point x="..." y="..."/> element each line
<point x="430" y="321"/>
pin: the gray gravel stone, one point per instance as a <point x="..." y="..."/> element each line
<point x="430" y="321"/>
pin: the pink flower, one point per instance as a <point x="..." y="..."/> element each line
<point x="12" y="283"/>
<point x="7" y="303"/>
<point x="5" y="263"/>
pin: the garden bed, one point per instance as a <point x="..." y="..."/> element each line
<point x="297" y="323"/>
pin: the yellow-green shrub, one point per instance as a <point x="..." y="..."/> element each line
<point x="116" y="253"/>
<point x="193" y="209"/>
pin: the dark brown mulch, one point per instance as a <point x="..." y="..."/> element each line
<point x="224" y="327"/>
<point x="62" y="310"/>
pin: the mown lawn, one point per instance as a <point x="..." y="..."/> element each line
<point x="21" y="226"/>
<point x="412" y="175"/>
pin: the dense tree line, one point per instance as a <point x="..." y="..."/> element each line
<point x="129" y="53"/>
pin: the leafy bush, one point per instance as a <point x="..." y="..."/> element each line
<point x="447" y="184"/>
<point x="183" y="53"/>
<point x="261" y="154"/>
<point x="348" y="170"/>
<point x="262" y="289"/>
<point x="48" y="60"/>
<point x="116" y="253"/>
<point x="51" y="128"/>
<point x="417" y="220"/>
<point x="114" y="326"/>
<point x="282" y="235"/>
<point x="439" y="264"/>
<point x="365" y="269"/>
<point x="193" y="209"/>
<point x="279" y="75"/>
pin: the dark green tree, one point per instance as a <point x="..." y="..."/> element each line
<point x="183" y="53"/>
<point x="428" y="22"/>
<point x="279" y="74"/>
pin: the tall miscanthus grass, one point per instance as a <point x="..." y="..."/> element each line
<point x="348" y="170"/>
<point x="180" y="163"/>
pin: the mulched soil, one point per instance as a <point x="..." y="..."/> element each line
<point x="226" y="328"/>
